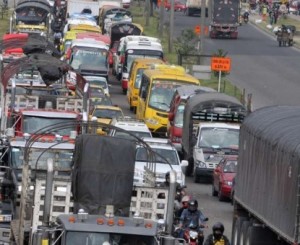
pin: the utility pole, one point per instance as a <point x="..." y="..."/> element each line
<point x="161" y="18"/>
<point x="202" y="24"/>
<point x="147" y="10"/>
<point x="171" y="27"/>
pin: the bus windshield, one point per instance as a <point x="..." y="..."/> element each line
<point x="162" y="92"/>
<point x="88" y="56"/>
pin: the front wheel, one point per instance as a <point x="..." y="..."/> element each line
<point x="124" y="90"/>
<point x="214" y="193"/>
<point x="279" y="43"/>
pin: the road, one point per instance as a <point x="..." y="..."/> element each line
<point x="267" y="71"/>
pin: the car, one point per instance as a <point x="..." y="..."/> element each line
<point x="178" y="6"/>
<point x="98" y="81"/>
<point x="105" y="114"/>
<point x="96" y="91"/>
<point x="164" y="154"/>
<point x="223" y="177"/>
<point x="136" y="127"/>
<point x="102" y="100"/>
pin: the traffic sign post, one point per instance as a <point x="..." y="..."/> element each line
<point x="220" y="64"/>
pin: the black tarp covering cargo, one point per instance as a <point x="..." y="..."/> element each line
<point x="103" y="173"/>
<point x="267" y="182"/>
<point x="123" y="29"/>
<point x="225" y="12"/>
<point x="201" y="106"/>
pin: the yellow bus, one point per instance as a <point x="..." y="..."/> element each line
<point x="135" y="77"/>
<point x="156" y="92"/>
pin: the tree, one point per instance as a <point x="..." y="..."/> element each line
<point x="186" y="43"/>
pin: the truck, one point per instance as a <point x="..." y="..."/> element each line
<point x="110" y="203"/>
<point x="210" y="130"/>
<point x="32" y="17"/>
<point x="178" y="102"/>
<point x="194" y="7"/>
<point x="266" y="196"/>
<point x="225" y="19"/>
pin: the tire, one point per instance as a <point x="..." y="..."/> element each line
<point x="214" y="193"/>
<point x="279" y="43"/>
<point x="124" y="91"/>
<point x="221" y="197"/>
<point x="134" y="109"/>
<point x="196" y="178"/>
<point x="244" y="231"/>
<point x="260" y="236"/>
<point x="236" y="230"/>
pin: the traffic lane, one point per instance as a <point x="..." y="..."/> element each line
<point x="259" y="66"/>
<point x="211" y="207"/>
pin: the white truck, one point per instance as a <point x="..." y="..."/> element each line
<point x="194" y="7"/>
<point x="210" y="130"/>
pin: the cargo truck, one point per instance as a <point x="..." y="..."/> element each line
<point x="266" y="199"/>
<point x="194" y="7"/>
<point x="225" y="19"/>
<point x="210" y="130"/>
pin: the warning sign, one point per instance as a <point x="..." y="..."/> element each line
<point x="220" y="64"/>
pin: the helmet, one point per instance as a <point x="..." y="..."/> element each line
<point x="218" y="227"/>
<point x="193" y="205"/>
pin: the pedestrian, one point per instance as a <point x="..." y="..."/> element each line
<point x="276" y="14"/>
<point x="264" y="12"/>
<point x="271" y="16"/>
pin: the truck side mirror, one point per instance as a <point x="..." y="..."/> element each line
<point x="171" y="116"/>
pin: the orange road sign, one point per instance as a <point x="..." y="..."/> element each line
<point x="197" y="29"/>
<point x="220" y="64"/>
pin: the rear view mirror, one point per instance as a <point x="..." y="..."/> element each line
<point x="184" y="163"/>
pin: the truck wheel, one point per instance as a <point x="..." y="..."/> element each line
<point x="258" y="235"/>
<point x="236" y="230"/>
<point x="244" y="231"/>
<point x="196" y="178"/>
<point x="214" y="193"/>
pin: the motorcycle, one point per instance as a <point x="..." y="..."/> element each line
<point x="246" y="17"/>
<point x="193" y="235"/>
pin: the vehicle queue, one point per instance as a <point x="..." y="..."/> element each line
<point x="83" y="42"/>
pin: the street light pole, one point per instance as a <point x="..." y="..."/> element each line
<point x="147" y="10"/>
<point x="202" y="29"/>
<point x="161" y="18"/>
<point x="171" y="27"/>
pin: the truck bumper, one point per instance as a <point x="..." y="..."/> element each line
<point x="4" y="233"/>
<point x="205" y="173"/>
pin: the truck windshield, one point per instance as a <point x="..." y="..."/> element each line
<point x="33" y="123"/>
<point x="62" y="158"/>
<point x="92" y="238"/>
<point x="170" y="155"/>
<point x="162" y="92"/>
<point x="214" y="137"/>
<point x="178" y="120"/>
<point x="88" y="56"/>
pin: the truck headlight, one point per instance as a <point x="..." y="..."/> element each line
<point x="151" y="121"/>
<point x="200" y="164"/>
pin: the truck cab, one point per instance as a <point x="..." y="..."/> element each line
<point x="212" y="142"/>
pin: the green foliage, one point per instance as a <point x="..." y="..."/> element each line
<point x="186" y="43"/>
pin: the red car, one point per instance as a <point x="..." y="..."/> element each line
<point x="111" y="53"/>
<point x="178" y="6"/>
<point x="223" y="176"/>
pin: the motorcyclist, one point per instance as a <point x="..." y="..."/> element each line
<point x="192" y="216"/>
<point x="246" y="16"/>
<point x="217" y="237"/>
<point x="184" y="205"/>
